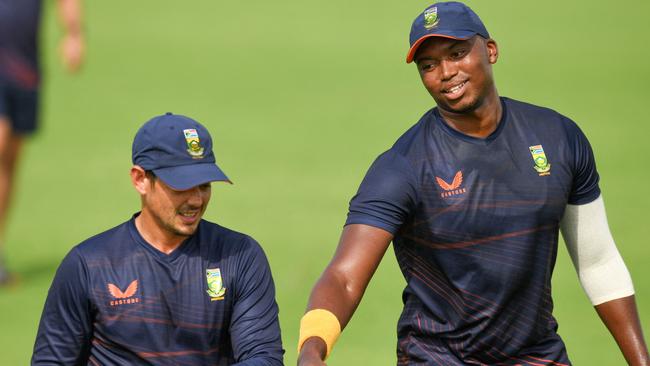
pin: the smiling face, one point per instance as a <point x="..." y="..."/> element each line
<point x="168" y="216"/>
<point x="458" y="73"/>
<point x="176" y="212"/>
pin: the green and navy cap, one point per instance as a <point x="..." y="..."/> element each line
<point x="178" y="150"/>
<point x="451" y="19"/>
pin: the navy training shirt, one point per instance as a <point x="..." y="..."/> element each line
<point x="19" y="25"/>
<point x="475" y="224"/>
<point x="116" y="300"/>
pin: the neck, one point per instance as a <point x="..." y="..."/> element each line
<point x="480" y="122"/>
<point x="155" y="235"/>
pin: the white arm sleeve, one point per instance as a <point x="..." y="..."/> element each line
<point x="601" y="270"/>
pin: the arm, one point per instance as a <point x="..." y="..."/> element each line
<point x="340" y="288"/>
<point x="604" y="276"/>
<point x="254" y="326"/>
<point x="621" y="318"/>
<point x="381" y="206"/>
<point x="65" y="329"/>
<point x="72" y="44"/>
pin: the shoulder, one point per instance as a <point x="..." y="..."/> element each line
<point x="105" y="243"/>
<point x="223" y="234"/>
<point x="412" y="140"/>
<point x="409" y="146"/>
<point x="227" y="239"/>
<point x="398" y="164"/>
<point x="238" y="254"/>
<point x="529" y="110"/>
<point x="538" y="117"/>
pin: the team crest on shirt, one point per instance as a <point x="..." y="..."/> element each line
<point x="431" y="17"/>
<point x="542" y="166"/>
<point x="123" y="297"/>
<point x="194" y="147"/>
<point x="453" y="188"/>
<point x="216" y="291"/>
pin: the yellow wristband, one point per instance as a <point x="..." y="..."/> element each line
<point x="319" y="323"/>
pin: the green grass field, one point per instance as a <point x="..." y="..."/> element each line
<point x="300" y="97"/>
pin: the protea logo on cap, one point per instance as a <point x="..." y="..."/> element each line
<point x="431" y="17"/>
<point x="194" y="147"/>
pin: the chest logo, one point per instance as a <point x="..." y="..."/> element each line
<point x="542" y="166"/>
<point x="123" y="297"/>
<point x="194" y="147"/>
<point x="216" y="291"/>
<point x="453" y="188"/>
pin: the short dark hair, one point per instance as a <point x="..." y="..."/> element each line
<point x="150" y="175"/>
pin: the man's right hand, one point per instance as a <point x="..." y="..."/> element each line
<point x="313" y="352"/>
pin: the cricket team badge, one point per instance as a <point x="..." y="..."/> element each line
<point x="194" y="147"/>
<point x="216" y="291"/>
<point x="542" y="166"/>
<point x="431" y="17"/>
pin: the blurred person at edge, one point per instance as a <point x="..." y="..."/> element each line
<point x="20" y="80"/>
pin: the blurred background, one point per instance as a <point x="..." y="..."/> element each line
<point x="300" y="97"/>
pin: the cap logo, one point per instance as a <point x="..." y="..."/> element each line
<point x="431" y="17"/>
<point x="194" y="147"/>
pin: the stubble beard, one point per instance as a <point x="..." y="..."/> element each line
<point x="170" y="226"/>
<point x="465" y="109"/>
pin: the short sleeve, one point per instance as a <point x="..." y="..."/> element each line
<point x="254" y="327"/>
<point x="387" y="195"/>
<point x="65" y="329"/>
<point x="584" y="187"/>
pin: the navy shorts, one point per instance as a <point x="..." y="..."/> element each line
<point x="20" y="106"/>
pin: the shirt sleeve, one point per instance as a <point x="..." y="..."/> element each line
<point x="584" y="188"/>
<point x="65" y="328"/>
<point x="254" y="327"/>
<point x="600" y="267"/>
<point x="387" y="195"/>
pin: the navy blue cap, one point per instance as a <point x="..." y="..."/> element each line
<point x="178" y="150"/>
<point x="449" y="20"/>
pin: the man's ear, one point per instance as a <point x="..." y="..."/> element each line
<point x="139" y="179"/>
<point x="493" y="50"/>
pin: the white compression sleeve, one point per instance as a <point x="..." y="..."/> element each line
<point x="601" y="269"/>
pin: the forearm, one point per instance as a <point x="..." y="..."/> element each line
<point x="620" y="316"/>
<point x="254" y="327"/>
<point x="330" y="293"/>
<point x="341" y="287"/>
<point x="335" y="293"/>
<point x="66" y="325"/>
<point x="344" y="281"/>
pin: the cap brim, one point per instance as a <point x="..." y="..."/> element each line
<point x="185" y="177"/>
<point x="459" y="35"/>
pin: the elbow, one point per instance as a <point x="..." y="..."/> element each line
<point x="606" y="281"/>
<point x="349" y="287"/>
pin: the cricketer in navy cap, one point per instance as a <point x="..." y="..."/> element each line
<point x="178" y="150"/>
<point x="463" y="196"/>
<point x="166" y="286"/>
